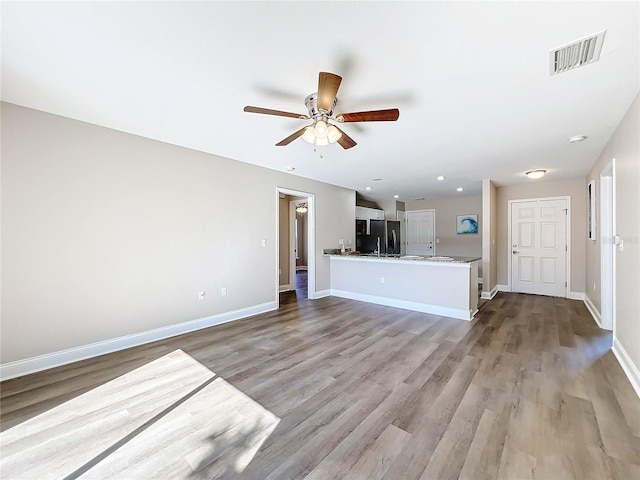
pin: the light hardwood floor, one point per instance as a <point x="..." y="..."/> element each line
<point x="334" y="388"/>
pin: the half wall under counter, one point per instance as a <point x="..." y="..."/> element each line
<point x="446" y="286"/>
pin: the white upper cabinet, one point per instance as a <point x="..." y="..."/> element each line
<point x="377" y="214"/>
<point x="364" y="213"/>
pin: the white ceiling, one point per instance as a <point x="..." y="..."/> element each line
<point x="471" y="80"/>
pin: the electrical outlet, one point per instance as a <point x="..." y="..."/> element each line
<point x="349" y="241"/>
<point x="223" y="291"/>
<point x="381" y="279"/>
<point x="341" y="241"/>
<point x="201" y="295"/>
<point x="264" y="242"/>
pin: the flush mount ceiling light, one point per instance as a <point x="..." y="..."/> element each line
<point x="290" y="169"/>
<point x="459" y="189"/>
<point x="440" y="178"/>
<point x="577" y="138"/>
<point x="535" y="174"/>
<point x="396" y="196"/>
<point x="302" y="208"/>
<point x="368" y="188"/>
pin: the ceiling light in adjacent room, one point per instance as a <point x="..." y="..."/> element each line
<point x="535" y="174"/>
<point x="302" y="208"/>
<point x="577" y="138"/>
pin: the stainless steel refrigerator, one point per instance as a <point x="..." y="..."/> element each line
<point x="386" y="234"/>
<point x="393" y="237"/>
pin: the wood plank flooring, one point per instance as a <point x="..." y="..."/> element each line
<point x="334" y="388"/>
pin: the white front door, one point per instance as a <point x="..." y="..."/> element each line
<point x="539" y="247"/>
<point x="421" y="232"/>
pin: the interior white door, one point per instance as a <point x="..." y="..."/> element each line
<point x="539" y="247"/>
<point x="421" y="232"/>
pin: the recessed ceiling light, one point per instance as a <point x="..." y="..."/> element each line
<point x="535" y="174"/>
<point x="418" y="199"/>
<point x="290" y="169"/>
<point x="376" y="179"/>
<point x="396" y="196"/>
<point x="459" y="189"/>
<point x="368" y="188"/>
<point x="440" y="178"/>
<point x="577" y="138"/>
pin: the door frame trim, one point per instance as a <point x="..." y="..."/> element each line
<point x="608" y="249"/>
<point x="567" y="260"/>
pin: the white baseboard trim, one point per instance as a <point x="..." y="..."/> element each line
<point x="576" y="296"/>
<point x="593" y="310"/>
<point x="503" y="288"/>
<point x="303" y="267"/>
<point x="630" y="369"/>
<point x="489" y="295"/>
<point x="458" y="313"/>
<point x="322" y="294"/>
<point x="285" y="288"/>
<point x="63" y="357"/>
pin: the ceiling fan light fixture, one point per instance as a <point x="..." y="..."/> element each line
<point x="333" y="134"/>
<point x="321" y="129"/>
<point x="309" y="135"/>
<point x="321" y="141"/>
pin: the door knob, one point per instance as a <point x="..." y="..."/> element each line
<point x="516" y="251"/>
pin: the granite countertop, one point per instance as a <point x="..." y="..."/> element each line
<point x="414" y="258"/>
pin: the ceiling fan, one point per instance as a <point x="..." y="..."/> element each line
<point x="320" y="105"/>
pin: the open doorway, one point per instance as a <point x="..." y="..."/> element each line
<point x="295" y="255"/>
<point x="299" y="259"/>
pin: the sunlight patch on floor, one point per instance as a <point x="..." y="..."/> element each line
<point x="169" y="418"/>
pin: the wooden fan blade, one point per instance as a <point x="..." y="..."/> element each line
<point x="268" y="111"/>
<point x="290" y="138"/>
<point x="328" y="84"/>
<point x="345" y="140"/>
<point x="390" y="115"/>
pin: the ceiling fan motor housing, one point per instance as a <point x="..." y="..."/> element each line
<point x="311" y="102"/>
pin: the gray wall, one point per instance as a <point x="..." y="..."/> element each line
<point x="303" y="260"/>
<point x="489" y="238"/>
<point x="450" y="243"/>
<point x="624" y="146"/>
<point x="107" y="234"/>
<point x="284" y="240"/>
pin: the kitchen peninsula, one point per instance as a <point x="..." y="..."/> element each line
<point x="446" y="286"/>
